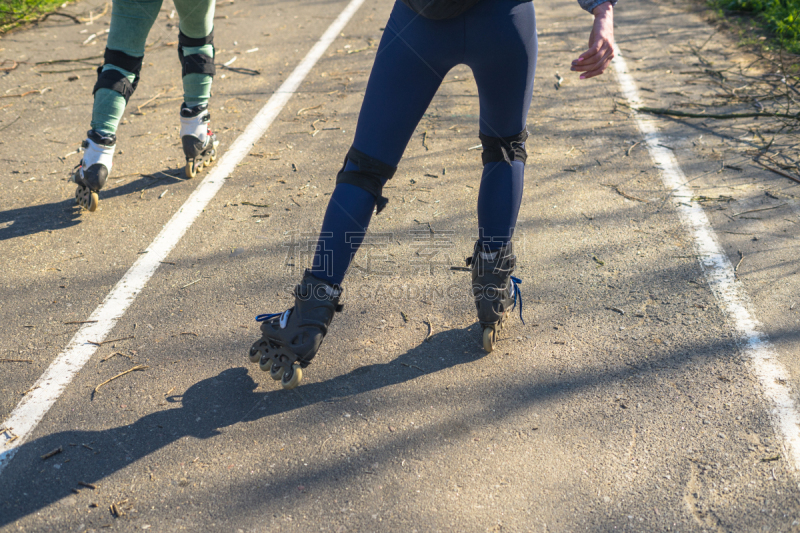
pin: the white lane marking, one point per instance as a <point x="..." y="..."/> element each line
<point x="30" y="411"/>
<point x="719" y="273"/>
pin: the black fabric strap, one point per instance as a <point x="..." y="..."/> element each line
<point x="116" y="81"/>
<point x="122" y="60"/>
<point x="440" y="9"/>
<point x="196" y="64"/>
<point x="185" y="40"/>
<point x="371" y="184"/>
<point x="369" y="176"/>
<point x="506" y="149"/>
<point x="370" y="164"/>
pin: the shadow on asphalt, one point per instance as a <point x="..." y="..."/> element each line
<point x="203" y="411"/>
<point x="61" y="215"/>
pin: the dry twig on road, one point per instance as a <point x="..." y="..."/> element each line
<point x="134" y="369"/>
<point x="623" y="193"/>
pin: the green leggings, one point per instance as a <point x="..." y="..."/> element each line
<point x="131" y="21"/>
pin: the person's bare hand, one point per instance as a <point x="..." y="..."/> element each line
<point x="601" y="44"/>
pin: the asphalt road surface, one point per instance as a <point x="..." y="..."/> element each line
<point x="632" y="399"/>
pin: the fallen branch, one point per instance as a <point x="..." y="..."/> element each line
<point x="51" y="454"/>
<point x="10" y="124"/>
<point x="103" y="360"/>
<point x="79" y="60"/>
<point x="12" y="437"/>
<point x="112" y="340"/>
<point x="64" y="71"/>
<point x="623" y="193"/>
<point x="8" y="69"/>
<point x="44" y="17"/>
<point x="759" y="209"/>
<point x="430" y="329"/>
<point x="16" y="361"/>
<point x="308" y="109"/>
<point x="153" y="99"/>
<point x="93" y="17"/>
<point x="36" y="91"/>
<point x="720" y="116"/>
<point x="134" y="369"/>
<point x="779" y="172"/>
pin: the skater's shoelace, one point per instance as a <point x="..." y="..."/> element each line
<point x="515" y="281"/>
<point x="267" y="316"/>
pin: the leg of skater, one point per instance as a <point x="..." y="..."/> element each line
<point x="412" y="59"/>
<point x="507" y="29"/>
<point x="117" y="79"/>
<point x="196" y="52"/>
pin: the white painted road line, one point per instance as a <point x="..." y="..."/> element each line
<point x="719" y="273"/>
<point x="30" y="411"/>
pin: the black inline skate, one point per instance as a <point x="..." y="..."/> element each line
<point x="495" y="289"/>
<point x="290" y="340"/>
<point x="92" y="172"/>
<point x="199" y="142"/>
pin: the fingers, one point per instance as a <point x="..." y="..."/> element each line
<point x="594" y="61"/>
<point x="589" y="56"/>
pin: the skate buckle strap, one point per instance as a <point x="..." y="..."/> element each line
<point x="515" y="281"/>
<point x="267" y="316"/>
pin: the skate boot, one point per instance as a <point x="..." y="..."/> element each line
<point x="290" y="340"/>
<point x="199" y="142"/>
<point x="93" y="170"/>
<point x="495" y="289"/>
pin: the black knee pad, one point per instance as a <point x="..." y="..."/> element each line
<point x="116" y="80"/>
<point x="508" y="149"/>
<point x="196" y="63"/>
<point x="369" y="176"/>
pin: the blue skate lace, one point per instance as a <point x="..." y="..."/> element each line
<point x="267" y="316"/>
<point x="517" y="296"/>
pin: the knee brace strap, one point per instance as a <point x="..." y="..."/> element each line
<point x="196" y="63"/>
<point x="185" y="40"/>
<point x="123" y="61"/>
<point x="508" y="149"/>
<point x="369" y="176"/>
<point x="114" y="79"/>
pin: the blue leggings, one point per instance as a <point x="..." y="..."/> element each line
<point x="497" y="40"/>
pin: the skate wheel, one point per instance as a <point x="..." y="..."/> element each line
<point x="276" y="371"/>
<point x="255" y="353"/>
<point x="489" y="338"/>
<point x="291" y="378"/>
<point x="86" y="198"/>
<point x="265" y="362"/>
<point x="213" y="156"/>
<point x="190" y="170"/>
<point x="93" y="201"/>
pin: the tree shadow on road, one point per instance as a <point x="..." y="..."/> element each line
<point x="205" y="409"/>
